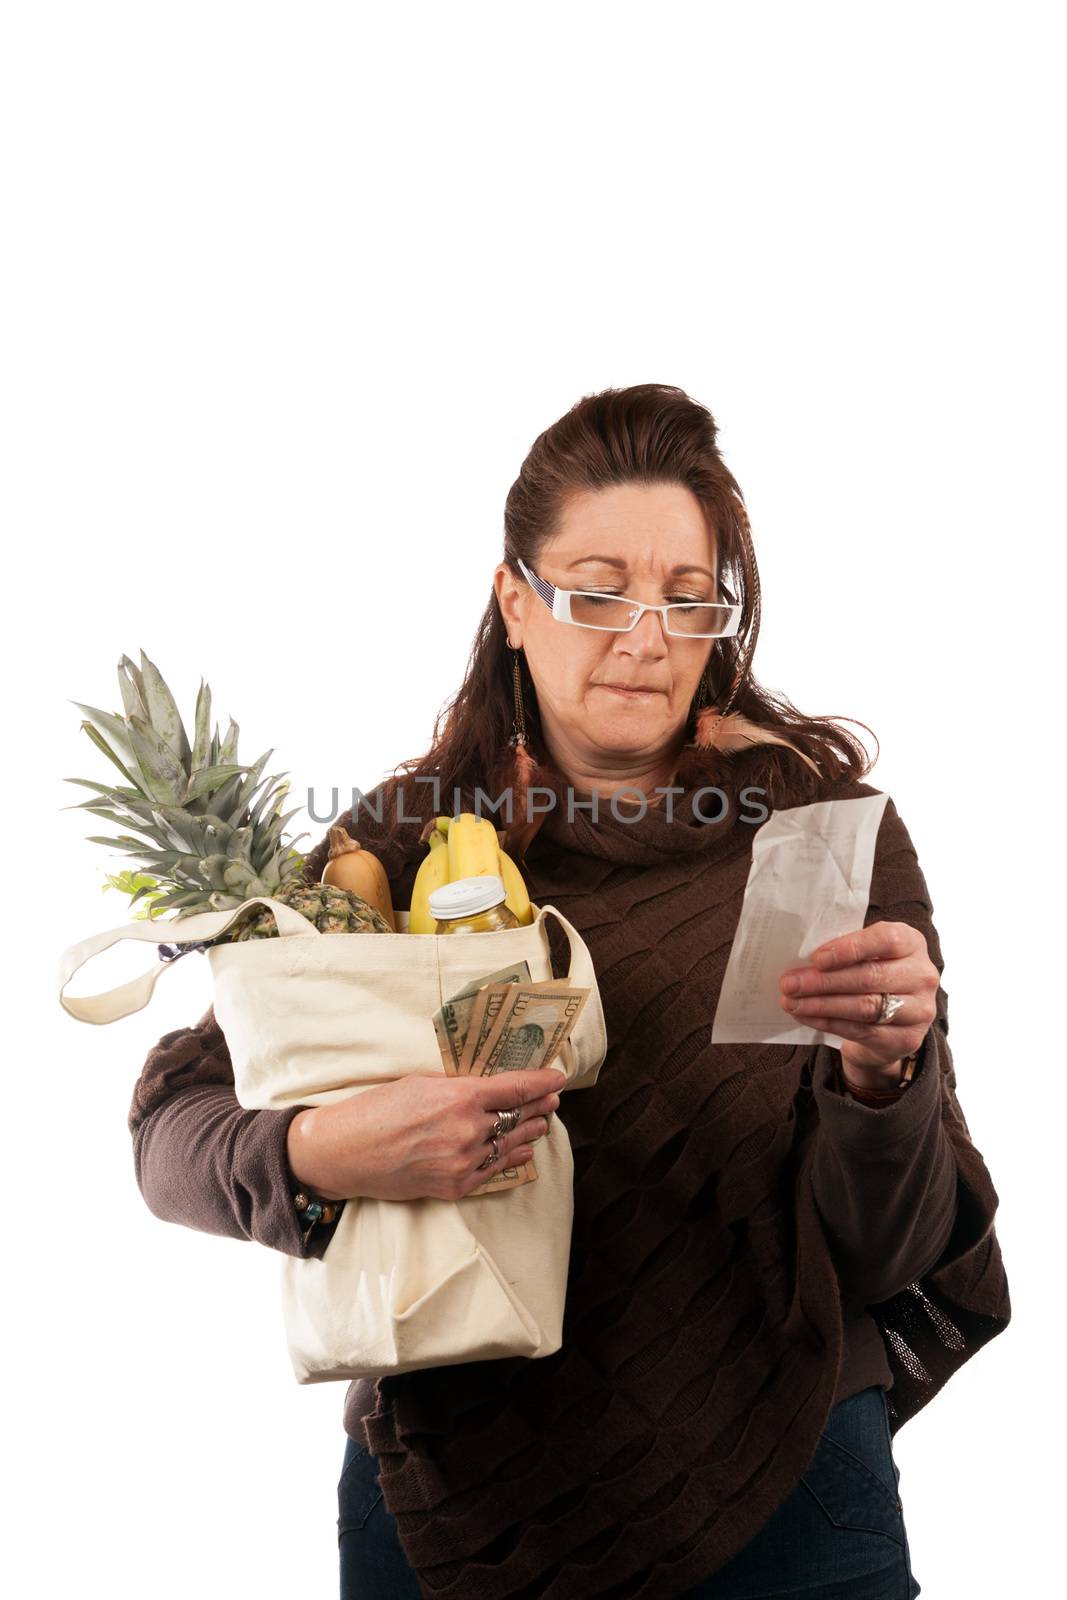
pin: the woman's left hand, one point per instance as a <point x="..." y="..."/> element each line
<point x="841" y="992"/>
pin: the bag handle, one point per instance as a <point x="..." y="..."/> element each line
<point x="127" y="998"/>
<point x="589" y="1041"/>
<point x="135" y="995"/>
<point x="582" y="972"/>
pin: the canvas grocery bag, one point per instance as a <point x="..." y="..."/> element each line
<point x="309" y="1018"/>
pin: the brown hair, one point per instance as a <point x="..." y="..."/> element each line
<point x="648" y="433"/>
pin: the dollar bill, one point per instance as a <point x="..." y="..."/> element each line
<point x="486" y="1008"/>
<point x="452" y="1022"/>
<point x="505" y="1178"/>
<point x="518" y="972"/>
<point x="531" y="1025"/>
<point x="533" y="1022"/>
<point x="472" y="1023"/>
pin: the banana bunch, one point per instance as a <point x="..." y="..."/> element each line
<point x="466" y="846"/>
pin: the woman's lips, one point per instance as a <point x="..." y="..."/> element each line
<point x="634" y="694"/>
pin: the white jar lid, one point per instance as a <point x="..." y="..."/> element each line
<point x="466" y="896"/>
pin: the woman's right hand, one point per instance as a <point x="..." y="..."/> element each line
<point x="420" y="1136"/>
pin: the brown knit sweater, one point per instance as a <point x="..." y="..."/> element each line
<point x="749" y="1246"/>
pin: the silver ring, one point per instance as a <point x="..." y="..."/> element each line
<point x="507" y="1120"/>
<point x="891" y="1004"/>
<point x="493" y="1156"/>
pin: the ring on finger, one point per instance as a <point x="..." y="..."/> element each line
<point x="891" y="1004"/>
<point x="494" y="1155"/>
<point x="506" y="1121"/>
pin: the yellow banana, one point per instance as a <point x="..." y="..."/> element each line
<point x="466" y="846"/>
<point x="473" y="847"/>
<point x="432" y="873"/>
<point x="516" y="897"/>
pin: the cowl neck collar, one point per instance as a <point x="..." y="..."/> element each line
<point x="703" y="817"/>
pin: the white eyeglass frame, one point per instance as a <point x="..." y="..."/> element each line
<point x="558" y="602"/>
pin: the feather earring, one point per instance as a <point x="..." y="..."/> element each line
<point x="732" y="731"/>
<point x="719" y="730"/>
<point x="523" y="769"/>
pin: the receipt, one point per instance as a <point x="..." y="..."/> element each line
<point x="809" y="881"/>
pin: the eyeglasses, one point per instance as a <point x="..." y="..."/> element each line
<point x="614" y="613"/>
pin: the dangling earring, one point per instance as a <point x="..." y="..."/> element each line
<point x="523" y="765"/>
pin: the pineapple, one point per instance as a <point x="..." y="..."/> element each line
<point x="208" y="838"/>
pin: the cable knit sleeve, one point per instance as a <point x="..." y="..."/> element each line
<point x="204" y="1161"/>
<point x="885" y="1179"/>
<point x="888" y="1183"/>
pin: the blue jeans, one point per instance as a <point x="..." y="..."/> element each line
<point x="839" y="1534"/>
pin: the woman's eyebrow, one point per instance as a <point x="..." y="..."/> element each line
<point x="614" y="561"/>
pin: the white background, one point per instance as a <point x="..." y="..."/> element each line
<point x="290" y="292"/>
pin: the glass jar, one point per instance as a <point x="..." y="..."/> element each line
<point x="472" y="905"/>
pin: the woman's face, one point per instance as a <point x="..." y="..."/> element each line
<point x="646" y="531"/>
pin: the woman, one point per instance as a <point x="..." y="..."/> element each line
<point x="780" y="1253"/>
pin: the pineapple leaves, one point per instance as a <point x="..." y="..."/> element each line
<point x="130" y="689"/>
<point x="208" y="779"/>
<point x="212" y="869"/>
<point x="115" y="728"/>
<point x="163" y="711"/>
<point x="228" y="749"/>
<point x="212" y="826"/>
<point x="182" y="897"/>
<point x="237" y="844"/>
<point x="91" y="804"/>
<point x="179" y="825"/>
<point x="237" y="876"/>
<point x="273" y="870"/>
<point x="110" y="789"/>
<point x="166" y="862"/>
<point x="267" y="798"/>
<point x="290" y="864"/>
<point x="126" y="665"/>
<point x="122" y="841"/>
<point x="281" y="821"/>
<point x="248" y="785"/>
<point x="226" y="799"/>
<point x="202" y="735"/>
<point x="102" y="744"/>
<point x="162" y="771"/>
<point x="143" y="813"/>
<point x="97" y="810"/>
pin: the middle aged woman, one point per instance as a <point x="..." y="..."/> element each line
<point x="780" y="1253"/>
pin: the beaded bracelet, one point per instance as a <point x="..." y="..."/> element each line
<point x="312" y="1210"/>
